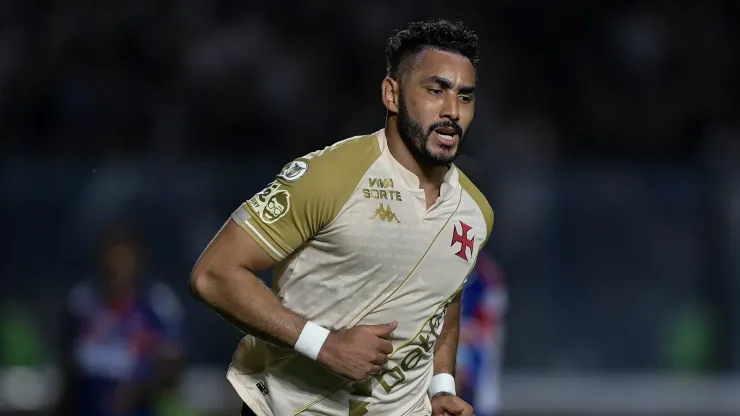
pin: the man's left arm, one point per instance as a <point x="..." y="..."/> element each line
<point x="445" y="349"/>
<point x="445" y="353"/>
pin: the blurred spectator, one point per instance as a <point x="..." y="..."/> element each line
<point x="122" y="350"/>
<point x="480" y="352"/>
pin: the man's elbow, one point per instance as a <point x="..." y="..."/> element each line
<point x="202" y="283"/>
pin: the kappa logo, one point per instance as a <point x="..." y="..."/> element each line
<point x="462" y="238"/>
<point x="293" y="171"/>
<point x="384" y="213"/>
<point x="271" y="204"/>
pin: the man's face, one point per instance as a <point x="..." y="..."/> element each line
<point x="120" y="265"/>
<point x="436" y="105"/>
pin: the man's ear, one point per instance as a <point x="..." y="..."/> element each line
<point x="390" y="94"/>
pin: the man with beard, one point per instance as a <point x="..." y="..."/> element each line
<point x="371" y="240"/>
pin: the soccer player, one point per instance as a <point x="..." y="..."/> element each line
<point x="371" y="240"/>
<point x="480" y="349"/>
<point x="122" y="348"/>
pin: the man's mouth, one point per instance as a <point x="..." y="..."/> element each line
<point x="447" y="136"/>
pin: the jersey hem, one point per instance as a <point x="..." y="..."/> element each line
<point x="244" y="394"/>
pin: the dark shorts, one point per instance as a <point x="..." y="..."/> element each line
<point x="246" y="411"/>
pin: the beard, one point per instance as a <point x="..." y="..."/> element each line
<point x="416" y="137"/>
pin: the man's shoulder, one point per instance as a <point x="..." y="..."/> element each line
<point x="355" y="147"/>
<point x="479" y="198"/>
<point x="351" y="154"/>
<point x="344" y="161"/>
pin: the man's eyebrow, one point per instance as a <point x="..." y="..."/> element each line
<point x="447" y="84"/>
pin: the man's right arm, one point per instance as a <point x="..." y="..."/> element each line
<point x="225" y="279"/>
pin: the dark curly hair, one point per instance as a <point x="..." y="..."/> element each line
<point x="429" y="34"/>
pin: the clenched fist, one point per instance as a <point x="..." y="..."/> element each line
<point x="448" y="405"/>
<point x="358" y="352"/>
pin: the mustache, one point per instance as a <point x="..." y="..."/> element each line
<point x="446" y="124"/>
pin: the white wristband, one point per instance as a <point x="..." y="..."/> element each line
<point x="311" y="340"/>
<point x="442" y="383"/>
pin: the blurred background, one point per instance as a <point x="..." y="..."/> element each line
<point x="607" y="139"/>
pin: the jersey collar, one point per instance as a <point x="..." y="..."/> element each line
<point x="410" y="181"/>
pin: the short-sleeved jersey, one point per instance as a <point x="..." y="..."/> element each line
<point x="356" y="245"/>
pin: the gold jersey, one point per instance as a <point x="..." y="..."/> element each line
<point x="356" y="245"/>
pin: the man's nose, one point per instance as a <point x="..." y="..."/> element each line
<point x="451" y="108"/>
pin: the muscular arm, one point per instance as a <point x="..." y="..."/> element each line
<point x="445" y="349"/>
<point x="225" y="279"/>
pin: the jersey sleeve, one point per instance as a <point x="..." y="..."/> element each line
<point x="305" y="196"/>
<point x="482" y="202"/>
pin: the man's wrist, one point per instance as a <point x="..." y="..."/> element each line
<point x="311" y="340"/>
<point x="442" y="383"/>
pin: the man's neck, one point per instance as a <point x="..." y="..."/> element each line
<point x="430" y="176"/>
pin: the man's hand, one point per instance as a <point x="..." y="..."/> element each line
<point x="448" y="405"/>
<point x="358" y="352"/>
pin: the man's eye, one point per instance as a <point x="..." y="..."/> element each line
<point x="465" y="98"/>
<point x="435" y="91"/>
